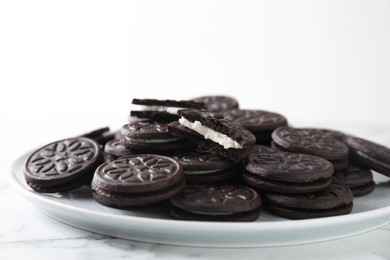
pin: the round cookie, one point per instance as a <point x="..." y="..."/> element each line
<point x="302" y="141"/>
<point x="201" y="166"/>
<point x="218" y="104"/>
<point x="261" y="123"/>
<point x="224" y="202"/>
<point x="215" y="132"/>
<point x="358" y="179"/>
<point x="117" y="148"/>
<point x="287" y="172"/>
<point x="63" y="165"/>
<point x="336" y="200"/>
<point x="326" y="132"/>
<point x="137" y="180"/>
<point x="369" y="154"/>
<point x="146" y="136"/>
<point x="162" y="110"/>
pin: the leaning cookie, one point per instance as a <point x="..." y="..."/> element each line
<point x="225" y="202"/>
<point x="63" y="165"/>
<point x="369" y="154"/>
<point x="336" y="200"/>
<point x="162" y="110"/>
<point x="137" y="180"/>
<point x="212" y="130"/>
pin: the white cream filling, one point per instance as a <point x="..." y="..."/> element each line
<point x="211" y="134"/>
<point x="170" y="110"/>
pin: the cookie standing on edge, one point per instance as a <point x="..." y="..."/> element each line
<point x="162" y="110"/>
<point x="225" y="202"/>
<point x="261" y="123"/>
<point x="287" y="172"/>
<point x="336" y="200"/>
<point x="63" y="165"/>
<point x="137" y="180"/>
<point x="212" y="130"/>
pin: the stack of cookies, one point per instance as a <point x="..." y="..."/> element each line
<point x="213" y="161"/>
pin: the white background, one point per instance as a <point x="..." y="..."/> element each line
<point x="63" y="62"/>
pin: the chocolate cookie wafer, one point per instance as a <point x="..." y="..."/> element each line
<point x="224" y="202"/>
<point x="146" y="136"/>
<point x="302" y="141"/>
<point x="336" y="200"/>
<point x="260" y="122"/>
<point x="358" y="179"/>
<point x="63" y="165"/>
<point x="287" y="172"/>
<point x="137" y="180"/>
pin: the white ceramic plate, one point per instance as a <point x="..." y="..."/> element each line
<point x="77" y="208"/>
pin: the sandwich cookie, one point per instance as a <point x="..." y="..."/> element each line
<point x="202" y="166"/>
<point x="218" y="104"/>
<point x="162" y="110"/>
<point x="146" y="136"/>
<point x="369" y="154"/>
<point x="302" y="141"/>
<point x="358" y="179"/>
<point x="137" y="180"/>
<point x="63" y="165"/>
<point x="336" y="200"/>
<point x="116" y="148"/>
<point x="261" y="123"/>
<point x="287" y="172"/>
<point x="212" y="130"/>
<point x="224" y="202"/>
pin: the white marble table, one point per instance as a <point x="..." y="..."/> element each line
<point x="26" y="233"/>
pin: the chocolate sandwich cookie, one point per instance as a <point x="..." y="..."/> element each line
<point x="287" y="172"/>
<point x="137" y="180"/>
<point x="146" y="136"/>
<point x="116" y="148"/>
<point x="303" y="141"/>
<point x="162" y="110"/>
<point x="202" y="166"/>
<point x="261" y="123"/>
<point x="212" y="130"/>
<point x="225" y="202"/>
<point x="336" y="200"/>
<point x="218" y="104"/>
<point x="327" y="132"/>
<point x="358" y="179"/>
<point x="63" y="165"/>
<point x="369" y="154"/>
